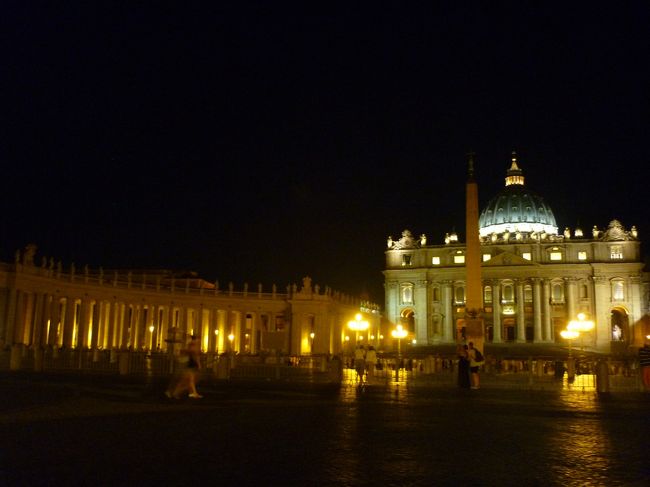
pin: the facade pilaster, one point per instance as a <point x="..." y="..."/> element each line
<point x="421" y="315"/>
<point x="548" y="335"/>
<point x="497" y="336"/>
<point x="635" y="300"/>
<point x="603" y="308"/>
<point x="521" y="317"/>
<point x="449" y="335"/>
<point x="537" y="311"/>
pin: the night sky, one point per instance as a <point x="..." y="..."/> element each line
<point x="264" y="142"/>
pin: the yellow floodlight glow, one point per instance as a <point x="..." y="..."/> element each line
<point x="399" y="332"/>
<point x="581" y="324"/>
<point x="569" y="334"/>
<point x="358" y="324"/>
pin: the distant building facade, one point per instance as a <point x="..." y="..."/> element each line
<point x="534" y="278"/>
<point x="46" y="307"/>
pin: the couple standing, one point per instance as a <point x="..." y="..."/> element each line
<point x="469" y="362"/>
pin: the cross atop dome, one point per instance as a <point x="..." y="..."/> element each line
<point x="514" y="175"/>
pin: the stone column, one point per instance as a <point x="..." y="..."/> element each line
<point x="55" y="321"/>
<point x="255" y="326"/>
<point x="448" y="331"/>
<point x="96" y="324"/>
<point x="10" y="320"/>
<point x="83" y="325"/>
<point x="113" y="326"/>
<point x="537" y="310"/>
<point x="125" y="315"/>
<point x="635" y="302"/>
<point x="69" y="322"/>
<point x="421" y="316"/>
<point x="548" y="334"/>
<point x="213" y="338"/>
<point x="46" y="319"/>
<point x="496" y="312"/>
<point x="602" y="301"/>
<point x="521" y="317"/>
<point x="37" y="332"/>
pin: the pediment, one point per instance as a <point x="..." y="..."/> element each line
<point x="505" y="259"/>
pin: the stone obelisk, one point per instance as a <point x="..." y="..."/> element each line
<point x="474" y="328"/>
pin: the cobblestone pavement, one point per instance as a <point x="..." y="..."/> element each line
<point x="89" y="431"/>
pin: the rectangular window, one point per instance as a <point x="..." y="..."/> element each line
<point x="435" y="261"/>
<point x="555" y="256"/>
<point x="486" y="257"/>
<point x="616" y="252"/>
<point x="406" y="259"/>
<point x="459" y="259"/>
<point x="582" y="255"/>
<point x="526" y="255"/>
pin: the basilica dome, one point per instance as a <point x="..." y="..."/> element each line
<point x="516" y="209"/>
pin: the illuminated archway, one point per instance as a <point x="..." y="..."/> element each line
<point x="407" y="318"/>
<point x="619" y="328"/>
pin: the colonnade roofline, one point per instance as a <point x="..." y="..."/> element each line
<point x="164" y="281"/>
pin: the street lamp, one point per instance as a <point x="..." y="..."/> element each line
<point x="311" y="342"/>
<point x="581" y="324"/>
<point x="399" y="333"/>
<point x="358" y="324"/>
<point x="570" y="335"/>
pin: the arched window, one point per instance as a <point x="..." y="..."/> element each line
<point x="407" y="293"/>
<point x="528" y="293"/>
<point x="557" y="292"/>
<point x="487" y="294"/>
<point x="618" y="290"/>
<point x="436" y="293"/>
<point x="584" y="291"/>
<point x="459" y="295"/>
<point x="508" y="293"/>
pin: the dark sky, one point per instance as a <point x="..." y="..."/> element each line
<point x="264" y="142"/>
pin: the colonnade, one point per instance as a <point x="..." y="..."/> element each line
<point x="41" y="309"/>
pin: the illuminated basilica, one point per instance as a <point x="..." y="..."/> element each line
<point x="534" y="278"/>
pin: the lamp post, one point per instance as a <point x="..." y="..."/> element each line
<point x="216" y="339"/>
<point x="151" y="328"/>
<point x="570" y="335"/>
<point x="398" y="333"/>
<point x="311" y="342"/>
<point x="581" y="325"/>
<point x="357" y="325"/>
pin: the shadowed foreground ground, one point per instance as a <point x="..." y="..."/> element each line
<point x="81" y="431"/>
